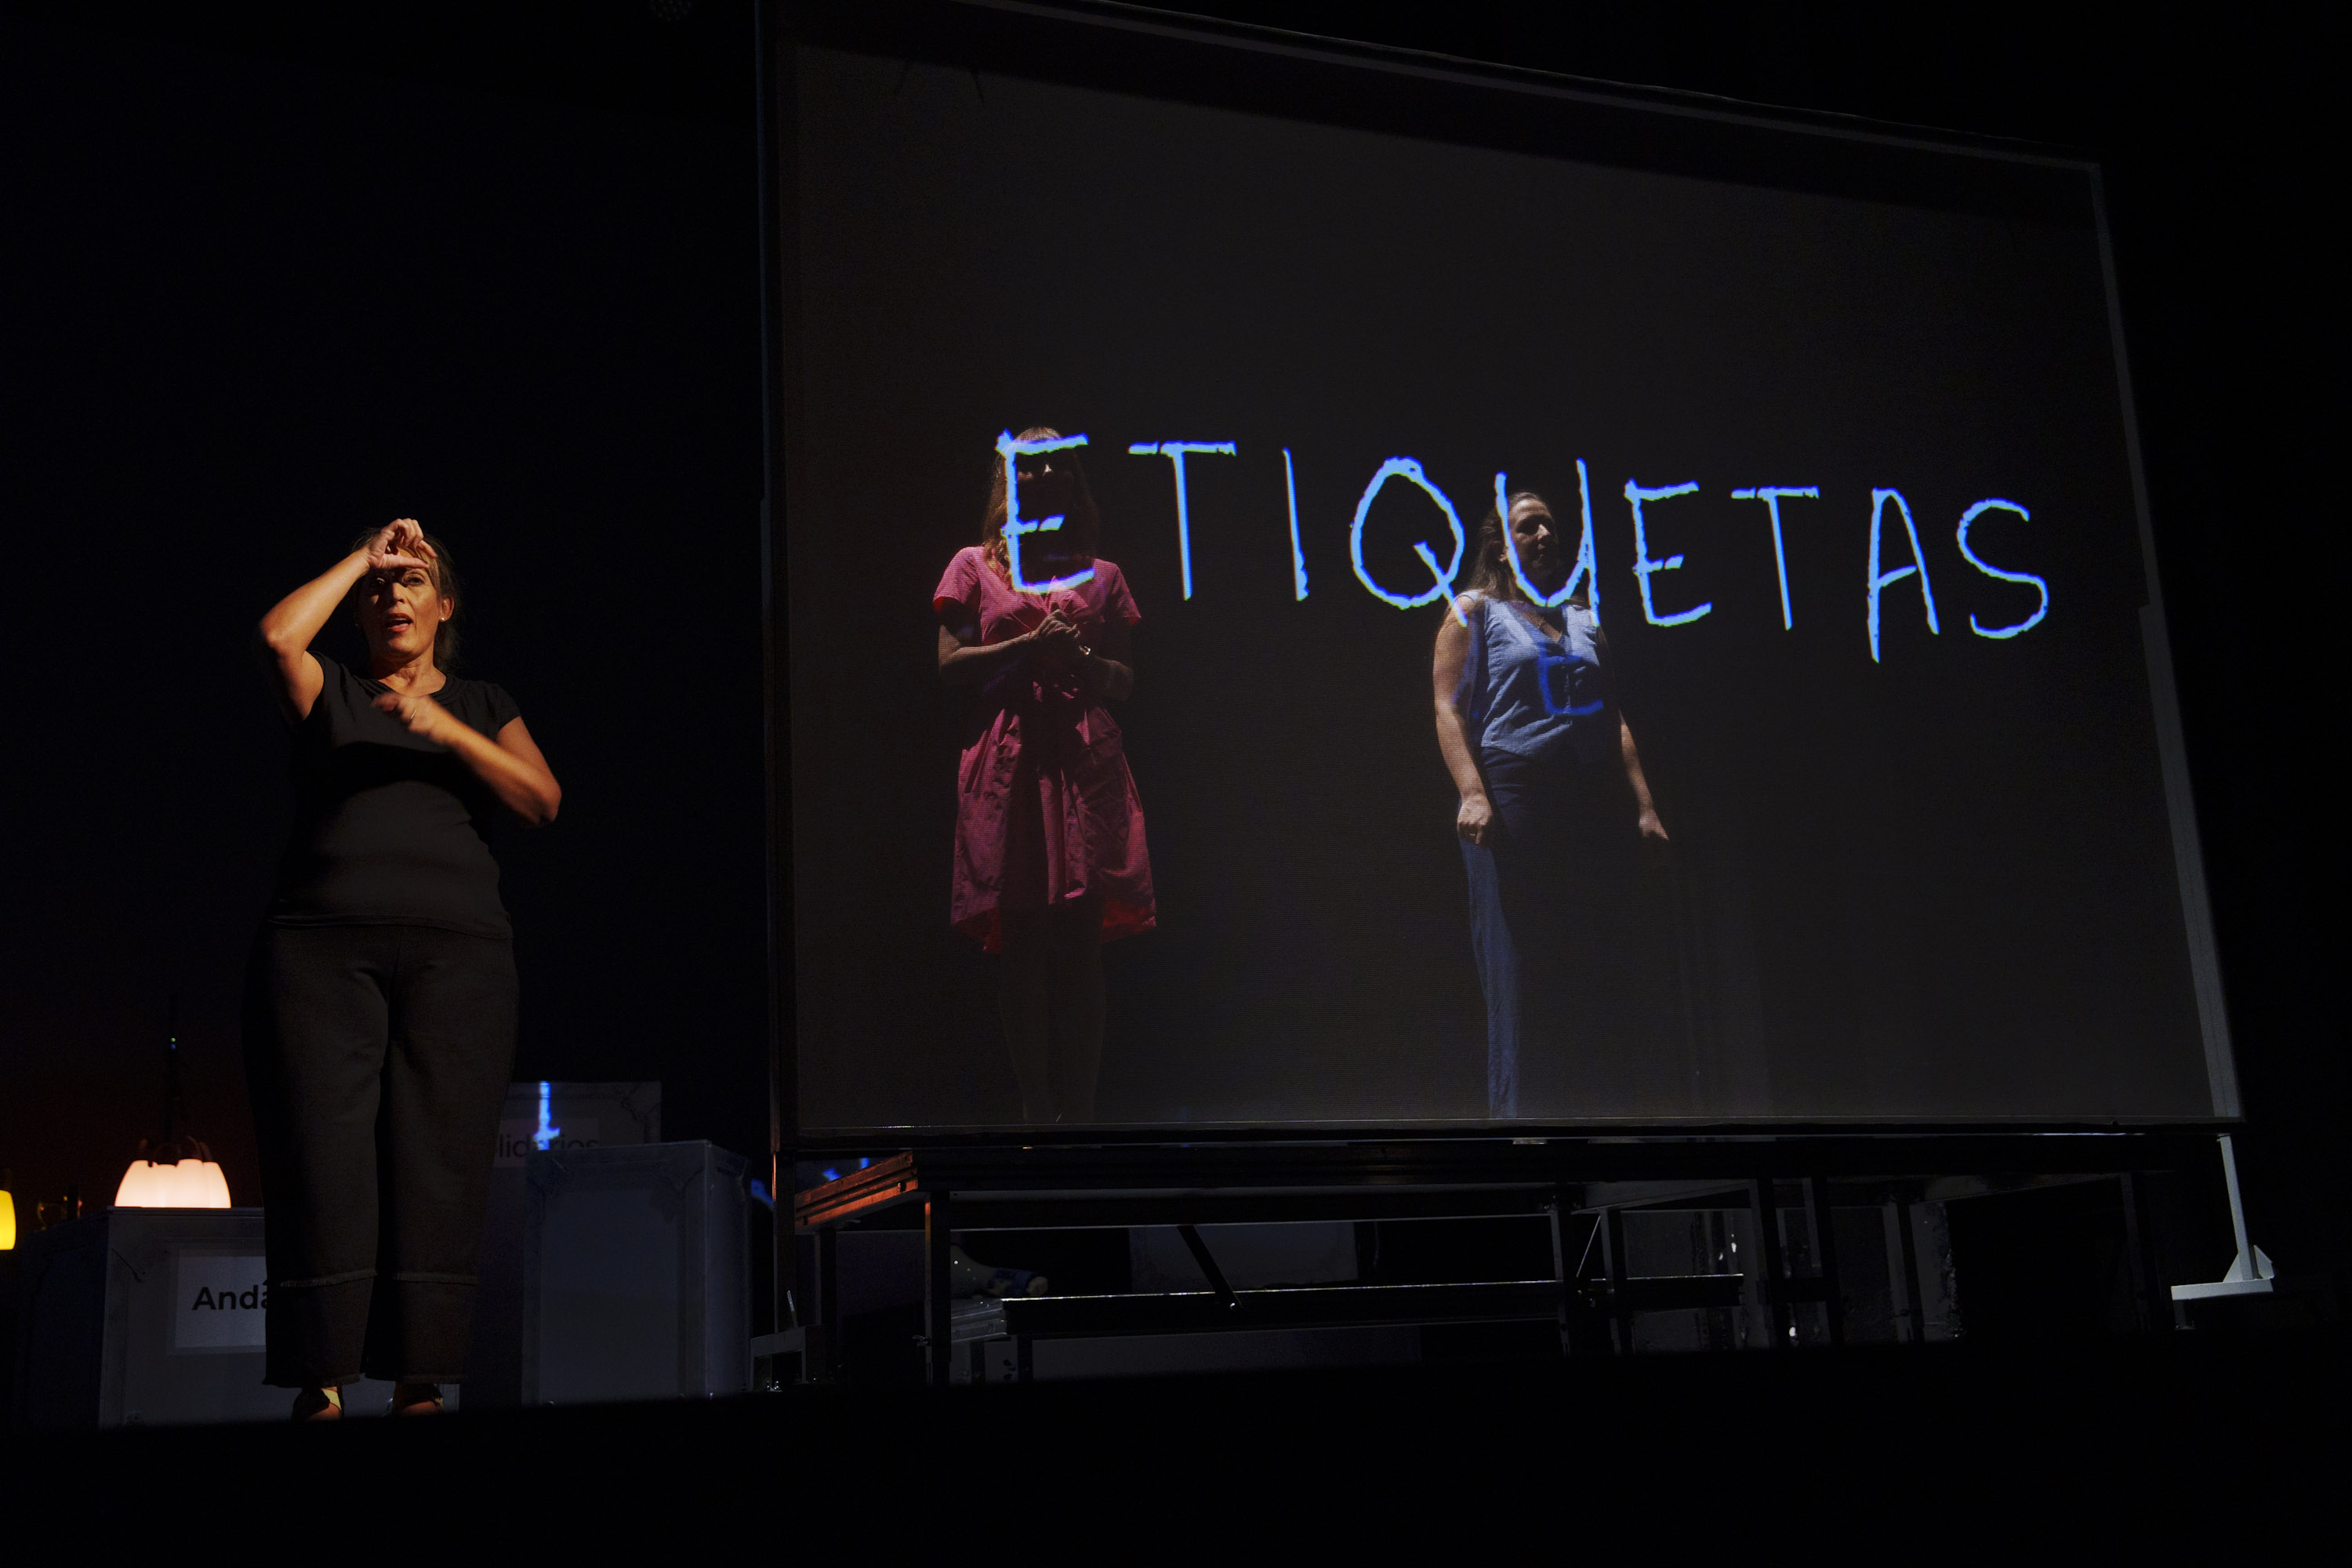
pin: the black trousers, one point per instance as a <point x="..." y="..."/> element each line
<point x="377" y="1058"/>
<point x="1593" y="1021"/>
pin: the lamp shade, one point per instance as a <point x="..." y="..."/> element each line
<point x="188" y="1184"/>
<point x="7" y="1219"/>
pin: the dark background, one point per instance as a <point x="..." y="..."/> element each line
<point x="256" y="302"/>
<point x="220" y="356"/>
<point x="1935" y="887"/>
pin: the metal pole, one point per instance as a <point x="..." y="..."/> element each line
<point x="2237" y="1208"/>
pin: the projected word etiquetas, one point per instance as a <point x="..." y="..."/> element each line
<point x="1891" y="557"/>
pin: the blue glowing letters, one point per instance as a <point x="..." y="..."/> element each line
<point x="1879" y="580"/>
<point x="1554" y="660"/>
<point x="1297" y="555"/>
<point x="1586" y="569"/>
<point x="1643" y="565"/>
<point x="1175" y="452"/>
<point x="1770" y="496"/>
<point x="1584" y="574"/>
<point x="1011" y="449"/>
<point x="1970" y="556"/>
<point x="1407" y="469"/>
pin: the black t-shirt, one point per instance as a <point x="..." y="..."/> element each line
<point x="390" y="829"/>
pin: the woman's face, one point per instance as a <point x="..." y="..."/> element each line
<point x="1045" y="484"/>
<point x="399" y="611"/>
<point x="1539" y="544"/>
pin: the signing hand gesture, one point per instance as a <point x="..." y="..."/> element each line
<point x="398" y="545"/>
<point x="422" y="715"/>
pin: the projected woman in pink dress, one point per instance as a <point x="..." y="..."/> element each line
<point x="1050" y="861"/>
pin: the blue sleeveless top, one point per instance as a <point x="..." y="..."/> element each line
<point x="1527" y="695"/>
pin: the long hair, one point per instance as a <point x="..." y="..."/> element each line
<point x="445" y="583"/>
<point x="1081" y="528"/>
<point x="1490" y="569"/>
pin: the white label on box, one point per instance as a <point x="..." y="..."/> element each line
<point x="219" y="1301"/>
<point x="517" y="1140"/>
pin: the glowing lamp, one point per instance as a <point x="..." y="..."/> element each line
<point x="189" y="1183"/>
<point x="174" y="1173"/>
<point x="8" y="1212"/>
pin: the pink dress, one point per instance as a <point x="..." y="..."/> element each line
<point x="1046" y="811"/>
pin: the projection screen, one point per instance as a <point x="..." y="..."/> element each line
<point x="1823" y="764"/>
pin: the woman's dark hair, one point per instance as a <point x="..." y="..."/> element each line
<point x="445" y="583"/>
<point x="1081" y="530"/>
<point x="1490" y="570"/>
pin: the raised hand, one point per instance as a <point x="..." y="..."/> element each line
<point x="399" y="545"/>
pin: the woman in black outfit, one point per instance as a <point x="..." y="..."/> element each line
<point x="380" y="1003"/>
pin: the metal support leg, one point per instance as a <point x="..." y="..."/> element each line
<point x="1560" y="1267"/>
<point x="1724" y="1329"/>
<point x="783" y="1252"/>
<point x="939" y="1278"/>
<point x="2252" y="1273"/>
<point x="1208" y="1262"/>
<point x="1824" y="1223"/>
<point x="1915" y="1289"/>
<point x="1763" y="1202"/>
<point x="824" y="1355"/>
<point x="1612" y="1258"/>
<point x="2150" y="1302"/>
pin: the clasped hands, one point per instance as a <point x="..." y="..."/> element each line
<point x="1056" y="639"/>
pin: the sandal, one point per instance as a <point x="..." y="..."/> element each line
<point x="407" y="1399"/>
<point x="318" y="1404"/>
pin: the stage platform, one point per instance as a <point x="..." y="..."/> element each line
<point x="1585" y="1191"/>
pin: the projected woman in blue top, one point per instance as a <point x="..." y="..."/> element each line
<point x="1553" y="809"/>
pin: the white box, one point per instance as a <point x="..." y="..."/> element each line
<point x="636" y="1278"/>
